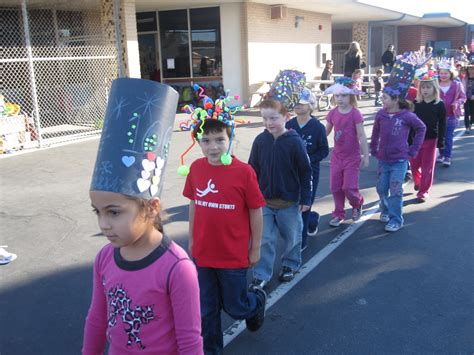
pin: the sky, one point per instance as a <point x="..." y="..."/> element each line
<point x="461" y="9"/>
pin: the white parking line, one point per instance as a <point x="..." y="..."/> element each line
<point x="239" y="326"/>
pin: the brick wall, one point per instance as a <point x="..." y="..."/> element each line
<point x="412" y="37"/>
<point x="453" y="34"/>
<point x="276" y="44"/>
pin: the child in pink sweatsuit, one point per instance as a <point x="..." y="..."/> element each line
<point x="349" y="139"/>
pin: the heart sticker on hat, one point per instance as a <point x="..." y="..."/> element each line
<point x="148" y="165"/>
<point x="143" y="184"/>
<point x="128" y="160"/>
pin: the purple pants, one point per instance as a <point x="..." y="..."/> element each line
<point x="344" y="183"/>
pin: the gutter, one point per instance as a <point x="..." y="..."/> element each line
<point x="369" y="44"/>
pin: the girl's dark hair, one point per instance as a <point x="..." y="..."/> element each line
<point x="212" y="126"/>
<point x="143" y="206"/>
<point x="403" y="103"/>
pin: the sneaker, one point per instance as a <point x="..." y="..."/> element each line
<point x="408" y="177"/>
<point x="384" y="218"/>
<point x="254" y="323"/>
<point x="416" y="188"/>
<point x="6" y="257"/>
<point x="392" y="227"/>
<point x="468" y="131"/>
<point x="335" y="222"/>
<point x="286" y="274"/>
<point x="257" y="283"/>
<point x="440" y="159"/>
<point x="313" y="224"/>
<point x="356" y="213"/>
<point x="304" y="246"/>
<point x="447" y="162"/>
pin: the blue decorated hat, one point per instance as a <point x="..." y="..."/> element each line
<point x="287" y="88"/>
<point x="403" y="73"/>
<point x="135" y="139"/>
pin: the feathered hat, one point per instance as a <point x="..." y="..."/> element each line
<point x="287" y="88"/>
<point x="134" y="145"/>
<point x="403" y="73"/>
<point x="210" y="110"/>
<point x="343" y="85"/>
<point x="307" y="98"/>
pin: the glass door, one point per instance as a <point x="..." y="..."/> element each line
<point x="149" y="61"/>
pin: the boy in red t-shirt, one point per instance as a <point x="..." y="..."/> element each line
<point x="225" y="231"/>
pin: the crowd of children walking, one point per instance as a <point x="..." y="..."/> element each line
<point x="149" y="296"/>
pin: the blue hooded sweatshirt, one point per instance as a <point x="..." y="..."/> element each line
<point x="282" y="166"/>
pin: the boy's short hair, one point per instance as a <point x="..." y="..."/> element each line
<point x="274" y="104"/>
<point x="212" y="126"/>
<point x="379" y="71"/>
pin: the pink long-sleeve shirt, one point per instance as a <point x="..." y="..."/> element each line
<point x="149" y="306"/>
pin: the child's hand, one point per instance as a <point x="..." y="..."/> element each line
<point x="364" y="163"/>
<point x="254" y="256"/>
<point x="304" y="208"/>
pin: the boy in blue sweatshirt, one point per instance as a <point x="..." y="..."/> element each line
<point x="314" y="138"/>
<point x="284" y="175"/>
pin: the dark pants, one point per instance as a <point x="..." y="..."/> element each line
<point x="305" y="215"/>
<point x="223" y="289"/>
<point x="468" y="113"/>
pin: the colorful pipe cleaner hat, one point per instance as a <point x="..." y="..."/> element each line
<point x="308" y="98"/>
<point x="403" y="73"/>
<point x="443" y="63"/>
<point x="135" y="139"/>
<point x="425" y="74"/>
<point x="287" y="88"/>
<point x="343" y="85"/>
<point x="211" y="110"/>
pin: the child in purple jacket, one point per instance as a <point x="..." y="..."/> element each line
<point x="389" y="143"/>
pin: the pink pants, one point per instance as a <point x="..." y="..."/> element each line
<point x="423" y="165"/>
<point x="344" y="182"/>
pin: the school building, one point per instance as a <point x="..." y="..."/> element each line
<point x="59" y="57"/>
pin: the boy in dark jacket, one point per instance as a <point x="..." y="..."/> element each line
<point x="314" y="137"/>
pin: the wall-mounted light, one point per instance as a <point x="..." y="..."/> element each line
<point x="298" y="21"/>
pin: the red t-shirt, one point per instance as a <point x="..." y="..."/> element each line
<point x="223" y="196"/>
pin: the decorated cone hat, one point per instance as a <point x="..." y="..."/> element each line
<point x="287" y="88"/>
<point x="135" y="139"/>
<point x="443" y="63"/>
<point x="218" y="110"/>
<point x="343" y="86"/>
<point x="403" y="73"/>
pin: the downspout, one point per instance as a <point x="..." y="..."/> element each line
<point x="369" y="45"/>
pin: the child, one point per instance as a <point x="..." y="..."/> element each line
<point x="453" y="96"/>
<point x="357" y="77"/>
<point x="389" y="142"/>
<point x="225" y="225"/>
<point x="283" y="171"/>
<point x="313" y="134"/>
<point x="378" y="87"/>
<point x="430" y="109"/>
<point x="145" y="295"/>
<point x="349" y="139"/>
<point x="468" y="83"/>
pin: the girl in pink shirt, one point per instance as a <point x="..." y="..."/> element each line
<point x="349" y="140"/>
<point x="145" y="297"/>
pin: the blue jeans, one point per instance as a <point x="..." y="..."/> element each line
<point x="223" y="289"/>
<point x="451" y="124"/>
<point x="305" y="215"/>
<point x="288" y="223"/>
<point x="390" y="180"/>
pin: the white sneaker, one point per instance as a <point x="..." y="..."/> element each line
<point x="447" y="162"/>
<point x="392" y="227"/>
<point x="440" y="159"/>
<point x="6" y="257"/>
<point x="384" y="218"/>
<point x="335" y="222"/>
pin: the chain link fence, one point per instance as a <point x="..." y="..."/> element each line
<point x="57" y="62"/>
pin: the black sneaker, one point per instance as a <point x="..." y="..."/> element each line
<point x="257" y="283"/>
<point x="254" y="323"/>
<point x="408" y="177"/>
<point x="286" y="274"/>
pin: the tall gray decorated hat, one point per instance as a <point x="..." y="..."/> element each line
<point x="135" y="139"/>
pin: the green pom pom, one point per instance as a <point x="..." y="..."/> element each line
<point x="183" y="170"/>
<point x="226" y="159"/>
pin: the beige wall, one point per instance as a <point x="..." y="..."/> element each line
<point x="276" y="44"/>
